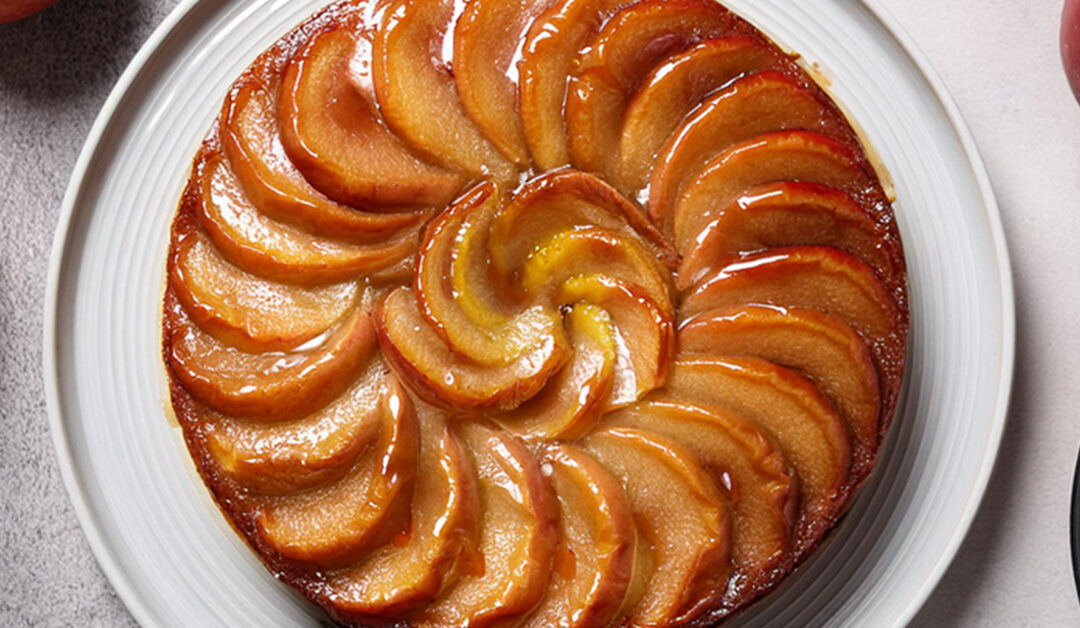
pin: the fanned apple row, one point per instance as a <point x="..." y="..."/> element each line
<point x="533" y="312"/>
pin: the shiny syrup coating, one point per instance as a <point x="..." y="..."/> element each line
<point x="495" y="313"/>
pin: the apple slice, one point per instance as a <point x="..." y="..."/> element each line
<point x="646" y="333"/>
<point x="281" y="458"/>
<point x="595" y="562"/>
<point x="445" y="378"/>
<point x="335" y="525"/>
<point x="487" y="39"/>
<point x="252" y="142"/>
<point x="271" y="386"/>
<point x="813" y="277"/>
<point x="674" y="88"/>
<point x="574" y="398"/>
<point x="593" y="250"/>
<point x="453" y="289"/>
<point x="416" y="92"/>
<point x="806" y="427"/>
<point x="764" y="493"/>
<point x="274" y="250"/>
<point x="518" y="535"/>
<point x="825" y="349"/>
<point x="782" y="156"/>
<point x="482" y="294"/>
<point x="548" y="56"/>
<point x="753" y="105"/>
<point x="456" y="293"/>
<point x="564" y="201"/>
<point x="678" y="511"/>
<point x="427" y="558"/>
<point x="789" y="213"/>
<point x="630" y="44"/>
<point x="336" y="137"/>
<point x="246" y="311"/>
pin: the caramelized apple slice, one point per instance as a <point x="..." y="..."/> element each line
<point x="679" y="511"/>
<point x="483" y="295"/>
<point x="471" y="323"/>
<point x="785" y="214"/>
<point x="808" y="430"/>
<point x="416" y="93"/>
<point x="547" y="60"/>
<point x="427" y="557"/>
<point x="444" y="377"/>
<point x="573" y="399"/>
<point x="646" y="341"/>
<point x="274" y="250"/>
<point x="271" y="386"/>
<point x="757" y="104"/>
<point x="785" y="155"/>
<point x="336" y="525"/>
<point x="764" y="494"/>
<point x="631" y="44"/>
<point x="825" y="349"/>
<point x="596" y="559"/>
<point x="336" y="138"/>
<point x="674" y="88"/>
<point x="243" y="310"/>
<point x="594" y="250"/>
<point x="487" y="39"/>
<point x="282" y="458"/>
<point x="518" y="534"/>
<point x="563" y="201"/>
<point x="813" y="277"/>
<point x="252" y="142"/>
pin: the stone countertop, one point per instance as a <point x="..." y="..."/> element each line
<point x="999" y="59"/>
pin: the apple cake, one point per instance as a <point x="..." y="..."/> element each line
<point x="533" y="312"/>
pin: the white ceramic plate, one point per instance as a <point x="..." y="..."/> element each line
<point x="171" y="555"/>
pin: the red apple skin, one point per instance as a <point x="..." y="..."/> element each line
<point x="11" y="10"/>
<point x="1070" y="44"/>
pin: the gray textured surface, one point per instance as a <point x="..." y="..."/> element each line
<point x="56" y="69"/>
<point x="1001" y="64"/>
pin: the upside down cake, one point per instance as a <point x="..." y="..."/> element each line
<point x="533" y="312"/>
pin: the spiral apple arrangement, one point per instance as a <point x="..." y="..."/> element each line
<point x="533" y="312"/>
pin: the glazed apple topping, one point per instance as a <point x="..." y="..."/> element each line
<point x="337" y="137"/>
<point x="783" y="155"/>
<point x="788" y="213"/>
<point x="631" y="44"/>
<point x="680" y="513"/>
<point x="335" y="525"/>
<point x="599" y="550"/>
<point x="748" y="468"/>
<point x="820" y="346"/>
<point x="756" y="104"/>
<point x="674" y="88"/>
<point x="417" y="94"/>
<point x="533" y="312"/>
<point x="494" y="281"/>
<point x="435" y="545"/>
<point x="252" y="142"/>
<point x="518" y="534"/>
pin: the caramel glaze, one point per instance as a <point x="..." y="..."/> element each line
<point x="242" y="507"/>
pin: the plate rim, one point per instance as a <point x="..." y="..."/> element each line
<point x="1008" y="303"/>
<point x="102" y="552"/>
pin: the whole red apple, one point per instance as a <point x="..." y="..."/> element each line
<point x="11" y="10"/>
<point x="1070" y="44"/>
